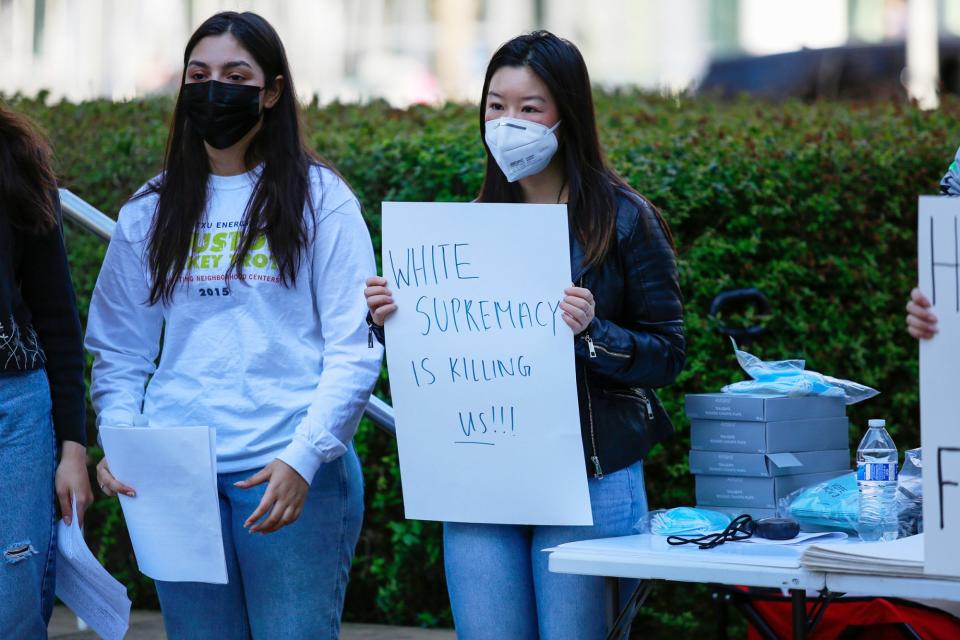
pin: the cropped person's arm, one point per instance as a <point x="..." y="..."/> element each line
<point x="48" y="292"/>
<point x="950" y="183"/>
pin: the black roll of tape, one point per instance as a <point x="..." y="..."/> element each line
<point x="777" y="528"/>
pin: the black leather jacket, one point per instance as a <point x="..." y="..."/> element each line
<point x="634" y="343"/>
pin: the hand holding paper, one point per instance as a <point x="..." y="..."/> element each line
<point x="110" y="485"/>
<point x="379" y="299"/>
<point x="578" y="308"/>
<point x="921" y="321"/>
<point x="72" y="482"/>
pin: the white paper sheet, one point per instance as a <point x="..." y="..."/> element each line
<point x="801" y="538"/>
<point x="86" y="587"/>
<point x="482" y="369"/>
<point x="174" y="520"/>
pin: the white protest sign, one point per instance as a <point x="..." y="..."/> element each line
<point x="174" y="520"/>
<point x="481" y="363"/>
<point x="939" y="266"/>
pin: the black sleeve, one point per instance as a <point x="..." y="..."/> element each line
<point x="950" y="183"/>
<point x="48" y="292"/>
<point x="375" y="331"/>
<point x="647" y="347"/>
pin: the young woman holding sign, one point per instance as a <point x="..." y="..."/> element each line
<point x="41" y="382"/>
<point x="248" y="252"/>
<point x="625" y="312"/>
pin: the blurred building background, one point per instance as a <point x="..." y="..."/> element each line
<point x="411" y="51"/>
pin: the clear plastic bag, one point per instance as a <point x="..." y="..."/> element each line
<point x="830" y="505"/>
<point x="790" y="378"/>
<point x="910" y="494"/>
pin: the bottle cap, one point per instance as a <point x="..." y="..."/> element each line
<point x="877" y="423"/>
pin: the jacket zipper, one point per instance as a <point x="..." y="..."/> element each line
<point x="595" y="459"/>
<point x="646" y="401"/>
<point x="592" y="347"/>
<point x="586" y="335"/>
<point x="369" y="337"/>
<point x="597" y="470"/>
<point x="638" y="394"/>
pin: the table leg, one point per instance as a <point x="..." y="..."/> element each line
<point x="720" y="600"/>
<point x="743" y="601"/>
<point x="799" y="600"/>
<point x="611" y="592"/>
<point x="621" y="627"/>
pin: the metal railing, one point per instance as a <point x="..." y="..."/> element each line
<point x="91" y="219"/>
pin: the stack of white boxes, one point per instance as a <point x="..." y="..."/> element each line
<point x="749" y="451"/>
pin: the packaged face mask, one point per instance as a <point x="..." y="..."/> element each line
<point x="790" y="378"/>
<point x="520" y="147"/>
<point x="833" y="504"/>
<point x="910" y="494"/>
<point x="686" y="521"/>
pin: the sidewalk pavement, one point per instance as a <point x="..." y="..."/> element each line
<point x="148" y="625"/>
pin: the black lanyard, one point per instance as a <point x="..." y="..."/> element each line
<point x="741" y="528"/>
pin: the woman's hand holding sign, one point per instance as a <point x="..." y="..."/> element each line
<point x="578" y="308"/>
<point x="379" y="300"/>
<point x="921" y="321"/>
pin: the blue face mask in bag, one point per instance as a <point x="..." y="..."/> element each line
<point x="833" y="504"/>
<point x="790" y="378"/>
<point x="686" y="521"/>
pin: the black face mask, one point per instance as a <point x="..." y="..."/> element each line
<point x="222" y="113"/>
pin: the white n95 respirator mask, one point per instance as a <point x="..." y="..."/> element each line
<point x="520" y="147"/>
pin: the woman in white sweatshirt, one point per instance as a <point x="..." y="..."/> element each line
<point x="247" y="254"/>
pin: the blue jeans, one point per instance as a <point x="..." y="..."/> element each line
<point x="498" y="579"/>
<point x="27" y="511"/>
<point x="286" y="584"/>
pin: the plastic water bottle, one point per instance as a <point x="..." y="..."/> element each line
<point x="877" y="482"/>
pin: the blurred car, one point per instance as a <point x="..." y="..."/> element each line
<point x="848" y="72"/>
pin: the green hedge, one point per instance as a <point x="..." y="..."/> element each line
<point x="813" y="204"/>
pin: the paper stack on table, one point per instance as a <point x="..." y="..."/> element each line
<point x="174" y="520"/>
<point x="902" y="557"/>
<point x="86" y="587"/>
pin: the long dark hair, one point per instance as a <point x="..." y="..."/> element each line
<point x="592" y="185"/>
<point x="282" y="190"/>
<point x="28" y="186"/>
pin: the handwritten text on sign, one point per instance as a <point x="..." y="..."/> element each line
<point x="481" y="363"/>
<point x="939" y="263"/>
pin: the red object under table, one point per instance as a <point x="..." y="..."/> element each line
<point x="850" y="618"/>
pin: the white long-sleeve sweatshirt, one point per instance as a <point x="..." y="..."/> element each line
<point x="280" y="372"/>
